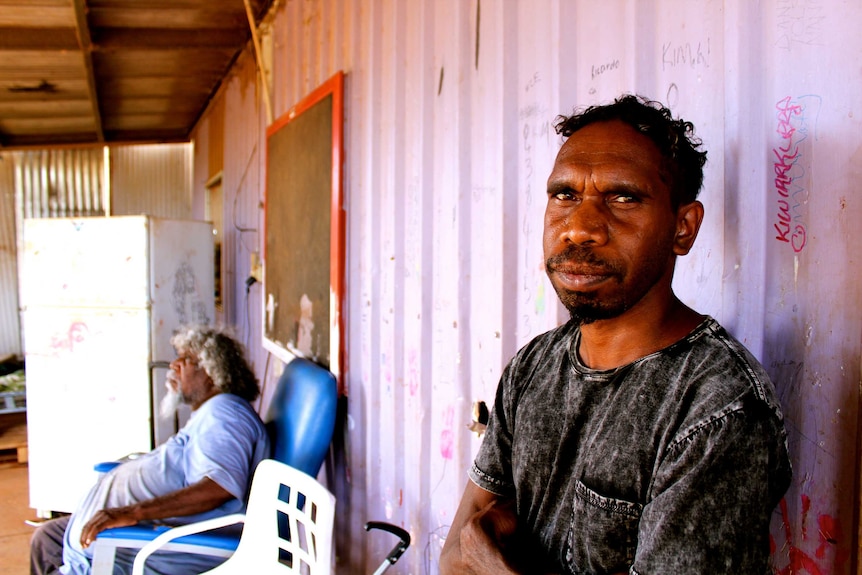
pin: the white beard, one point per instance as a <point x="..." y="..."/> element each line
<point x="171" y="401"/>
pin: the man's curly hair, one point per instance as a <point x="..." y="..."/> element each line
<point x="683" y="161"/>
<point x="221" y="356"/>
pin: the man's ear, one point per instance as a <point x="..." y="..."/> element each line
<point x="688" y="219"/>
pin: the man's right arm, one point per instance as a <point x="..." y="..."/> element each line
<point x="476" y="543"/>
<point x="480" y="540"/>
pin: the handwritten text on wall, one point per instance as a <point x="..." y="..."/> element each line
<point x="789" y="168"/>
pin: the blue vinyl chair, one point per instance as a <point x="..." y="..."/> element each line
<point x="301" y="416"/>
<point x="300" y="421"/>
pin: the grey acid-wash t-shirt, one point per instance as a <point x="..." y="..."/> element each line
<point x="672" y="464"/>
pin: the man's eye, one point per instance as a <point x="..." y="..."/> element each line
<point x="625" y="199"/>
<point x="562" y="196"/>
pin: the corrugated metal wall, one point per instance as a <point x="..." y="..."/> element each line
<point x="240" y="165"/>
<point x="147" y="179"/>
<point x="10" y="340"/>
<point x="154" y="179"/>
<point x="40" y="184"/>
<point x="449" y="108"/>
<point x="60" y="183"/>
<point x="243" y="214"/>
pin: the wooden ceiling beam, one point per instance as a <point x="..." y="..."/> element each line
<point x="111" y="39"/>
<point x="46" y="39"/>
<point x="86" y="44"/>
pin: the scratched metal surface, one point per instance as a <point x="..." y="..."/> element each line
<point x="449" y="106"/>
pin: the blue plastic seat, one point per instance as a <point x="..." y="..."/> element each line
<point x="301" y="416"/>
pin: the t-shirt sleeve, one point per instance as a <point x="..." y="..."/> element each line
<point x="492" y="468"/>
<point x="714" y="493"/>
<point x="225" y="448"/>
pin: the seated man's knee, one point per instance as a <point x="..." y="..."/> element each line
<point x="46" y="546"/>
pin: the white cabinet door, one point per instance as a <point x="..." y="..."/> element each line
<point x="88" y="396"/>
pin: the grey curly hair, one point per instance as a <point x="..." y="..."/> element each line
<point x="221" y="356"/>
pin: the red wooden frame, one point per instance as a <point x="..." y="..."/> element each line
<point x="334" y="86"/>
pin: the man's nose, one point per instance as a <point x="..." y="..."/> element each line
<point x="587" y="223"/>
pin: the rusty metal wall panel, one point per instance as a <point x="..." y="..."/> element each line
<point x="449" y="140"/>
<point x="152" y="179"/>
<point x="10" y="325"/>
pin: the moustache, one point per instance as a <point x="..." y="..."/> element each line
<point x="580" y="256"/>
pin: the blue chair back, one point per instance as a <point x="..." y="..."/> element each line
<point x="301" y="416"/>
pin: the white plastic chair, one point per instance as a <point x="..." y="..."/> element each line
<point x="288" y="527"/>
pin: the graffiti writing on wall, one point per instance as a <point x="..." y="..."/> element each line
<point x="799" y="22"/>
<point x="67" y="341"/>
<point x="686" y="54"/>
<point x="447" y="435"/>
<point x="187" y="302"/>
<point x="536" y="131"/>
<point x="791" y="168"/>
<point x="604" y="67"/>
<point x="825" y="556"/>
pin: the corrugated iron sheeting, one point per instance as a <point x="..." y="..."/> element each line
<point x="240" y="175"/>
<point x="154" y="179"/>
<point x="40" y="184"/>
<point x="449" y="140"/>
<point x="60" y="183"/>
<point x="147" y="179"/>
<point x="243" y="213"/>
<point x="10" y="340"/>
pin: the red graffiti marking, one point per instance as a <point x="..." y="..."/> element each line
<point x="413" y="371"/>
<point x="76" y="334"/>
<point x="830" y="534"/>
<point x="798" y="561"/>
<point x="806" y="507"/>
<point x="447" y="436"/>
<point x="787" y="168"/>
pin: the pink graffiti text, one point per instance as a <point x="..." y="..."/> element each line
<point x="789" y="172"/>
<point x="447" y="436"/>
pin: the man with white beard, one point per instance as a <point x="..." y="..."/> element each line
<point x="173" y="399"/>
<point x="201" y="472"/>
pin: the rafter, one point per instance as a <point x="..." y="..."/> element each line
<point x="83" y="30"/>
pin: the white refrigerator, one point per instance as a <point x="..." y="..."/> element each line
<point x="100" y="299"/>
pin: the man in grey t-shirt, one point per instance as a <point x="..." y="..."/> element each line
<point x="639" y="437"/>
